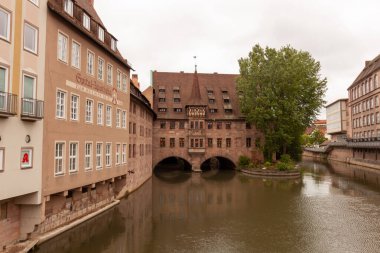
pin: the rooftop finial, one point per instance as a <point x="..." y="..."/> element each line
<point x="195" y="62"/>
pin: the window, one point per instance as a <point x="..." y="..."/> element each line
<point x="377" y="101"/>
<point x="177" y="109"/>
<point x="74" y="113"/>
<point x="75" y="55"/>
<point x="28" y="106"/>
<point x="3" y="88"/>
<point x="163" y="124"/>
<point x="3" y="211"/>
<point x="118" y="153"/>
<point x="86" y="21"/>
<point x="60" y="105"/>
<point x="118" y="111"/>
<point x="248" y="126"/>
<point x="100" y="114"/>
<point x="109" y="115"/>
<point x="68" y="7"/>
<point x="172" y="142"/>
<point x="211" y="101"/>
<point x="177" y="100"/>
<point x="213" y="110"/>
<point x="73" y="157"/>
<point x="124" y="120"/>
<point x="162" y="109"/>
<point x="2" y="159"/>
<point x="90" y="63"/>
<point x="162" y="142"/>
<point x="99" y="155"/>
<point x="124" y="154"/>
<point x="88" y="156"/>
<point x="172" y="125"/>
<point x="181" y="142"/>
<point x="62" y="47"/>
<point x="89" y="110"/>
<point x="100" y="69"/>
<point x="59" y="162"/>
<point x="124" y="88"/>
<point x="113" y="44"/>
<point x="5" y="24"/>
<point x="228" y="142"/>
<point x="118" y="80"/>
<point x="375" y="81"/>
<point x="219" y="142"/>
<point x="219" y="125"/>
<point x="109" y="74"/>
<point x="228" y="110"/>
<point x="101" y="34"/>
<point x="248" y="142"/>
<point x="30" y="38"/>
<point x="108" y="154"/>
<point x="161" y="100"/>
<point x="209" y="142"/>
<point x="228" y="125"/>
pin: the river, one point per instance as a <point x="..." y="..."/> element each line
<point x="332" y="208"/>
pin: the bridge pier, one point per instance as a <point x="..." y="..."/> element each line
<point x="196" y="163"/>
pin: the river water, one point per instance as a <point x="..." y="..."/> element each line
<point x="332" y="208"/>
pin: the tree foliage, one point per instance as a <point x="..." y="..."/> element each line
<point x="281" y="92"/>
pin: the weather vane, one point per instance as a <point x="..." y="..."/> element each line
<point x="195" y="62"/>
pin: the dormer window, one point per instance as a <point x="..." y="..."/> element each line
<point x="86" y="21"/>
<point x="68" y="6"/>
<point x="101" y="34"/>
<point x="113" y="44"/>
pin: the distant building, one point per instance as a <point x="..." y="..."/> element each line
<point x="318" y="124"/>
<point x="336" y="119"/>
<point x="198" y="118"/>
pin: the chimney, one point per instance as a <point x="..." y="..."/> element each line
<point x="91" y="2"/>
<point x="135" y="80"/>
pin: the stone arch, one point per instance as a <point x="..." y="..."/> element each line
<point x="221" y="162"/>
<point x="173" y="163"/>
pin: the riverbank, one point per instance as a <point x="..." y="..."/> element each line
<point x="272" y="173"/>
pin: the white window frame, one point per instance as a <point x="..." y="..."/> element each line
<point x="124" y="153"/>
<point x="90" y="63"/>
<point x="113" y="44"/>
<point x="2" y="159"/>
<point x="100" y="113"/>
<point x="8" y="27"/>
<point x="73" y="157"/>
<point x="62" y="47"/>
<point x="99" y="155"/>
<point x="32" y="50"/>
<point x="108" y="154"/>
<point x="124" y="119"/>
<point x="109" y="116"/>
<point x="68" y="6"/>
<point x="118" y="115"/>
<point x="75" y="54"/>
<point x="118" y="79"/>
<point x="109" y="74"/>
<point x="86" y="21"/>
<point x="89" y="114"/>
<point x="88" y="155"/>
<point x="100" y="33"/>
<point x="101" y="67"/>
<point x="3" y="97"/>
<point x="74" y="107"/>
<point x="60" y="105"/>
<point x="61" y="157"/>
<point x="118" y="154"/>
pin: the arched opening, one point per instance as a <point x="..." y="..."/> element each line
<point x="217" y="163"/>
<point x="172" y="163"/>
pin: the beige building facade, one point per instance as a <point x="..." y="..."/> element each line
<point x="337" y="119"/>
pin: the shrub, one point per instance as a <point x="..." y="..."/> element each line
<point x="267" y="164"/>
<point x="286" y="159"/>
<point x="281" y="166"/>
<point x="244" y="161"/>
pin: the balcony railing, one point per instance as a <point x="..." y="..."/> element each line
<point x="8" y="104"/>
<point x="32" y="109"/>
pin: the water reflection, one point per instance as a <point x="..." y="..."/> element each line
<point x="332" y="208"/>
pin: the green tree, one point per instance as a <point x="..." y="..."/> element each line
<point x="281" y="92"/>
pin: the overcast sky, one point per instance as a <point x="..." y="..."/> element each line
<point x="165" y="35"/>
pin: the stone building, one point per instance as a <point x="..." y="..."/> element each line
<point x="364" y="113"/>
<point x="22" y="79"/>
<point x="198" y="119"/>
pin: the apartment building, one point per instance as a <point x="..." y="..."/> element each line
<point x="22" y="68"/>
<point x="364" y="112"/>
<point x="198" y="119"/>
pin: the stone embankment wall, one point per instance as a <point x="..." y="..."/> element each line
<point x="9" y="224"/>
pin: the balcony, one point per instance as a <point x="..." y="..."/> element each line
<point x="8" y="104"/>
<point x="32" y="109"/>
